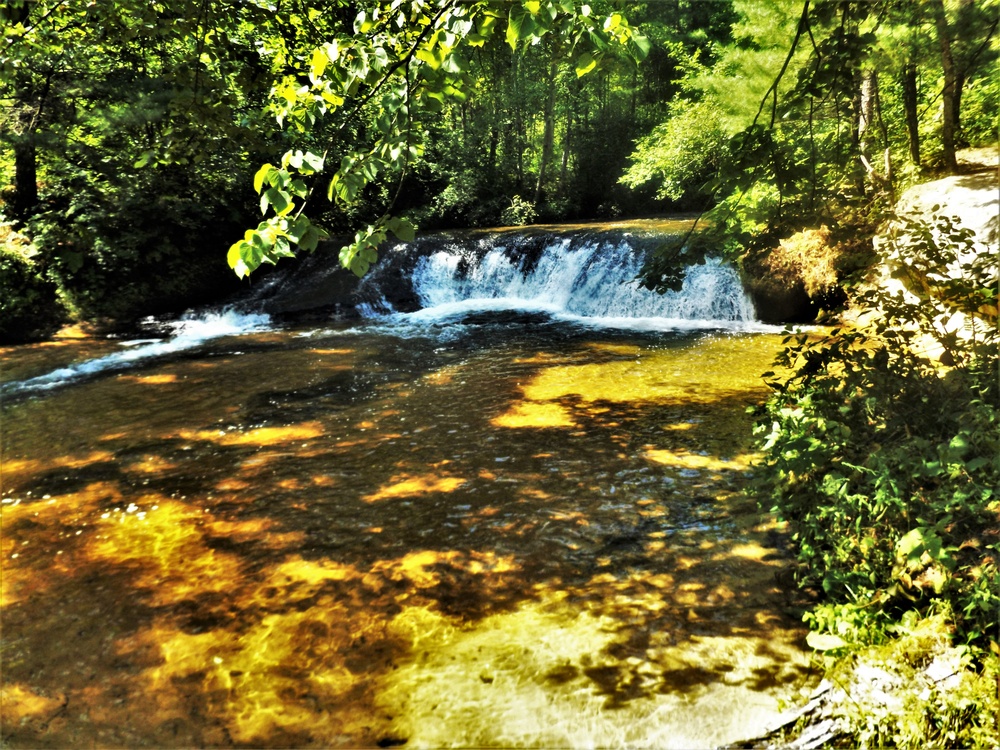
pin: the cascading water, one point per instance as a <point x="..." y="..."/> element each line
<point x="596" y="281"/>
<point x="584" y="279"/>
<point x="190" y="331"/>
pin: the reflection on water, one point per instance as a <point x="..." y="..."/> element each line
<point x="517" y="536"/>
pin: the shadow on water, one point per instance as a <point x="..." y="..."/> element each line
<point x="521" y="542"/>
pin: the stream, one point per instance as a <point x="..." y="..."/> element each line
<point x="513" y="517"/>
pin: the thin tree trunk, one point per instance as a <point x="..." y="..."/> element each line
<point x="956" y="105"/>
<point x="29" y="105"/>
<point x="948" y="92"/>
<point x="567" y="148"/>
<point x="910" y="95"/>
<point x="869" y="110"/>
<point x="866" y="106"/>
<point x="856" y="156"/>
<point x="548" y="138"/>
<point x="25" y="198"/>
<point x="518" y="123"/>
<point x="491" y="159"/>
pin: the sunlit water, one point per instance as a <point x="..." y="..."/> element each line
<point x="497" y="531"/>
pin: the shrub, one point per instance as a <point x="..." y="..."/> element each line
<point x="519" y="213"/>
<point x="29" y="306"/>
<point x="917" y="690"/>
<point x="881" y="449"/>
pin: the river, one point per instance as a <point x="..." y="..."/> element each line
<point x="506" y="519"/>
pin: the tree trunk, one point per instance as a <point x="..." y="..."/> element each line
<point x="956" y="106"/>
<point x="25" y="199"/>
<point x="910" y="95"/>
<point x="866" y="118"/>
<point x="855" y="157"/>
<point x="567" y="149"/>
<point x="518" y="124"/>
<point x="549" y="135"/>
<point x="866" y="106"/>
<point x="27" y="115"/>
<point x="491" y="159"/>
<point x="950" y="80"/>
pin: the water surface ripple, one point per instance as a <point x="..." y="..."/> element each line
<point x="525" y="534"/>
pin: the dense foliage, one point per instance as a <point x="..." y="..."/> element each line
<point x="882" y="450"/>
<point x="29" y="307"/>
<point x="825" y="129"/>
<point x="132" y="129"/>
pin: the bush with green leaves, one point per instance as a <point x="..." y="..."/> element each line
<point x="121" y="248"/>
<point x="29" y="305"/>
<point x="881" y="445"/>
<point x="519" y="213"/>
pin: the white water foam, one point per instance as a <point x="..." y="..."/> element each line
<point x="187" y="333"/>
<point x="591" y="285"/>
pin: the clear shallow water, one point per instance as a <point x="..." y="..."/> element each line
<point x="497" y="530"/>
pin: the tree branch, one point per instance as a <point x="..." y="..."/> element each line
<point x="772" y="91"/>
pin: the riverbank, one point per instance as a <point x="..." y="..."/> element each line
<point x="894" y="512"/>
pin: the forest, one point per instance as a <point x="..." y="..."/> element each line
<point x="155" y="155"/>
<point x="770" y="117"/>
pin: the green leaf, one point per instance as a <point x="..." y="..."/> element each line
<point x="513" y="30"/>
<point x="584" y="64"/>
<point x="911" y="545"/>
<point x="233" y="256"/>
<point x="959" y="445"/>
<point x="486" y="26"/>
<point x="262" y="174"/>
<point x="642" y="45"/>
<point x="282" y="248"/>
<point x="319" y="62"/>
<point x="976" y="464"/>
<point x="309" y="239"/>
<point x="403" y="229"/>
<point x="520" y="26"/>
<point x="279" y="200"/>
<point x="425" y="55"/>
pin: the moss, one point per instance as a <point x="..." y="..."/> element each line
<point x="805" y="275"/>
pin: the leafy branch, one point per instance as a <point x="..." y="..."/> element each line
<point x="412" y="66"/>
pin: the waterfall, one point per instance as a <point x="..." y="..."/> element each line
<point x="581" y="277"/>
<point x="585" y="279"/>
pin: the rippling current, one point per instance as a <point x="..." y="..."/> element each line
<point x="475" y="527"/>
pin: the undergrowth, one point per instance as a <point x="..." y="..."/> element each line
<point x="881" y="450"/>
<point x="29" y="304"/>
